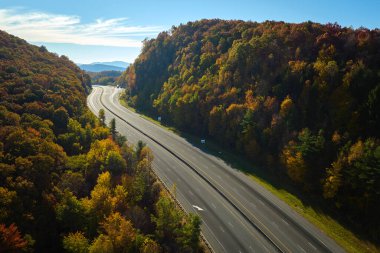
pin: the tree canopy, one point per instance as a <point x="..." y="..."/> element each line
<point x="67" y="182"/>
<point x="302" y="99"/>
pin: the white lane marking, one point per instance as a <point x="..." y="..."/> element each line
<point x="222" y="229"/>
<point x="219" y="177"/>
<point x="253" y="205"/>
<point x="322" y="242"/>
<point x="235" y="190"/>
<point x="214" y="167"/>
<point x="285" y="222"/>
<point x="198" y="208"/>
<point x="213" y="205"/>
<point x="312" y="245"/>
<point x="301" y="248"/>
<point x="229" y="223"/>
<point x="191" y="193"/>
<point x="274" y="224"/>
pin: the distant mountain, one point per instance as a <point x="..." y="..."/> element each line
<point x="98" y="67"/>
<point x="121" y="64"/>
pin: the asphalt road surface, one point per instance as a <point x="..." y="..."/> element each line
<point x="238" y="215"/>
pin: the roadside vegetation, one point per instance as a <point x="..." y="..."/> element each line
<point x="108" y="77"/>
<point x="68" y="181"/>
<point x="300" y="101"/>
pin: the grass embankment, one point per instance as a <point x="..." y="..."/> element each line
<point x="310" y="208"/>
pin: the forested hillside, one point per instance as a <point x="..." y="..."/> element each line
<point x="301" y="99"/>
<point x="67" y="181"/>
<point x="104" y="77"/>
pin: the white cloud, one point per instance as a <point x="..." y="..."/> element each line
<point x="53" y="28"/>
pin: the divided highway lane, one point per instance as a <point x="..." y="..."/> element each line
<point x="289" y="231"/>
<point x="223" y="227"/>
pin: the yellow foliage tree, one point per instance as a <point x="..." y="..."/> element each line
<point x="286" y="106"/>
<point x="120" y="232"/>
<point x="149" y="246"/>
<point x="294" y="162"/>
<point x="101" y="202"/>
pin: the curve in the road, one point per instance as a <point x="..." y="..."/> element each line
<point x="274" y="218"/>
<point x="220" y="219"/>
<point x="196" y="171"/>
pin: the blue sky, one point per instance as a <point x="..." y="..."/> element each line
<point x="90" y="31"/>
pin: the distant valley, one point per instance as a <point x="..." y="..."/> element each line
<point x="104" y="66"/>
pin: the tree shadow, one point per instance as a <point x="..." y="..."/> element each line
<point x="278" y="179"/>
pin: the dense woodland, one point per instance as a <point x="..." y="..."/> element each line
<point x="67" y="181"/>
<point x="300" y="99"/>
<point x="108" y="77"/>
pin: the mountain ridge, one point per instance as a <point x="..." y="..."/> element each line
<point x="121" y="64"/>
<point x="104" y="66"/>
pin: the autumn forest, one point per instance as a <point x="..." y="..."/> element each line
<point x="301" y="100"/>
<point x="68" y="182"/>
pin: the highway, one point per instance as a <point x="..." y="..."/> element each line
<point x="238" y="215"/>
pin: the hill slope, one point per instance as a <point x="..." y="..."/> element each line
<point x="98" y="67"/>
<point x="121" y="64"/>
<point x="40" y="94"/>
<point x="104" y="77"/>
<point x="304" y="98"/>
<point x="67" y="182"/>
